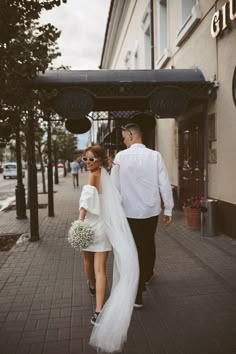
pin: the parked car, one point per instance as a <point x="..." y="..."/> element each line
<point x="1" y="169"/>
<point x="10" y="170"/>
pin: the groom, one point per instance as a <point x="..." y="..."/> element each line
<point x="141" y="179"/>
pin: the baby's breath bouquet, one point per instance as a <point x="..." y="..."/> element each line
<point x="80" y="235"/>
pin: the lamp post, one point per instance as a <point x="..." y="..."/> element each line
<point x="56" y="179"/>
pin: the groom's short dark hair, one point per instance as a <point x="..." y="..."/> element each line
<point x="132" y="128"/>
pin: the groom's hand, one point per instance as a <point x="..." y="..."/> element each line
<point x="167" y="219"/>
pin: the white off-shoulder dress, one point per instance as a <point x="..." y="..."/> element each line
<point x="90" y="200"/>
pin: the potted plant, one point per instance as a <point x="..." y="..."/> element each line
<point x="192" y="211"/>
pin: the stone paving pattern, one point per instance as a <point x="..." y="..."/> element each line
<point x="45" y="307"/>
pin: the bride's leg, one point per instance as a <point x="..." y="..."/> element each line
<point x="89" y="267"/>
<point x="100" y="259"/>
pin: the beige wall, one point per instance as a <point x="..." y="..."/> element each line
<point x="131" y="36"/>
<point x="197" y="33"/>
<point x="167" y="144"/>
<point x="222" y="175"/>
<point x="215" y="58"/>
<point x="199" y="51"/>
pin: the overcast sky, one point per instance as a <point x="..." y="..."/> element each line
<point x="82" y="24"/>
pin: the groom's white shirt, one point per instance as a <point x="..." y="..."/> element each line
<point x="141" y="176"/>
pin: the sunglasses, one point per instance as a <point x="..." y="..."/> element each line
<point x="90" y="159"/>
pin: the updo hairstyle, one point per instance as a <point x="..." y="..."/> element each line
<point x="100" y="153"/>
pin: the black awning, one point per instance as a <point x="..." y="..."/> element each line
<point x="166" y="92"/>
<point x="58" y="78"/>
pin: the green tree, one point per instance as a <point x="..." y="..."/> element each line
<point x="67" y="146"/>
<point x="26" y="47"/>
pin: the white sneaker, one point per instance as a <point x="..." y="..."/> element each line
<point x="138" y="302"/>
<point x="94" y="318"/>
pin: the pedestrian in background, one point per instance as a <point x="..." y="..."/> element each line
<point x="75" y="172"/>
<point x="82" y="166"/>
<point x="142" y="180"/>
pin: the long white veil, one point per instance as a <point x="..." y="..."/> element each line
<point x="112" y="325"/>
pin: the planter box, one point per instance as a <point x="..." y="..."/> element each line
<point x="193" y="217"/>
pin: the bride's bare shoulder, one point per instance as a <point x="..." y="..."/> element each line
<point x="93" y="179"/>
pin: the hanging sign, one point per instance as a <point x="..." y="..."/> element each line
<point x="79" y="126"/>
<point x="168" y="102"/>
<point x="73" y="103"/>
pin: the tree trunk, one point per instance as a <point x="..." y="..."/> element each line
<point x="42" y="168"/>
<point x="65" y="170"/>
<point x="32" y="177"/>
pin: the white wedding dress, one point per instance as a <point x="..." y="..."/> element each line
<point x="112" y="325"/>
<point x="90" y="200"/>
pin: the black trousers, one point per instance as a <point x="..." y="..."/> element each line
<point x="143" y="231"/>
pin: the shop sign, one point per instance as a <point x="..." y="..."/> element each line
<point x="222" y="18"/>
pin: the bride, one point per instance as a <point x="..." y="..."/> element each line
<point x="100" y="206"/>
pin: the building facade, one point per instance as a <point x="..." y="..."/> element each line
<point x="198" y="146"/>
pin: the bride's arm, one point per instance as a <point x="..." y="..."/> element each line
<point x="82" y="214"/>
<point x="93" y="180"/>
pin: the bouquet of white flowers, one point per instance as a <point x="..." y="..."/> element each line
<point x="80" y="235"/>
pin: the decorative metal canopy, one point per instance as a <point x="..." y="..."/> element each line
<point x="166" y="93"/>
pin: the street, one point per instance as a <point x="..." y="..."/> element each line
<point x="7" y="187"/>
<point x="7" y="191"/>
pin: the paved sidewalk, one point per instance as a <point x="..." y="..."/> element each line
<point x="45" y="307"/>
